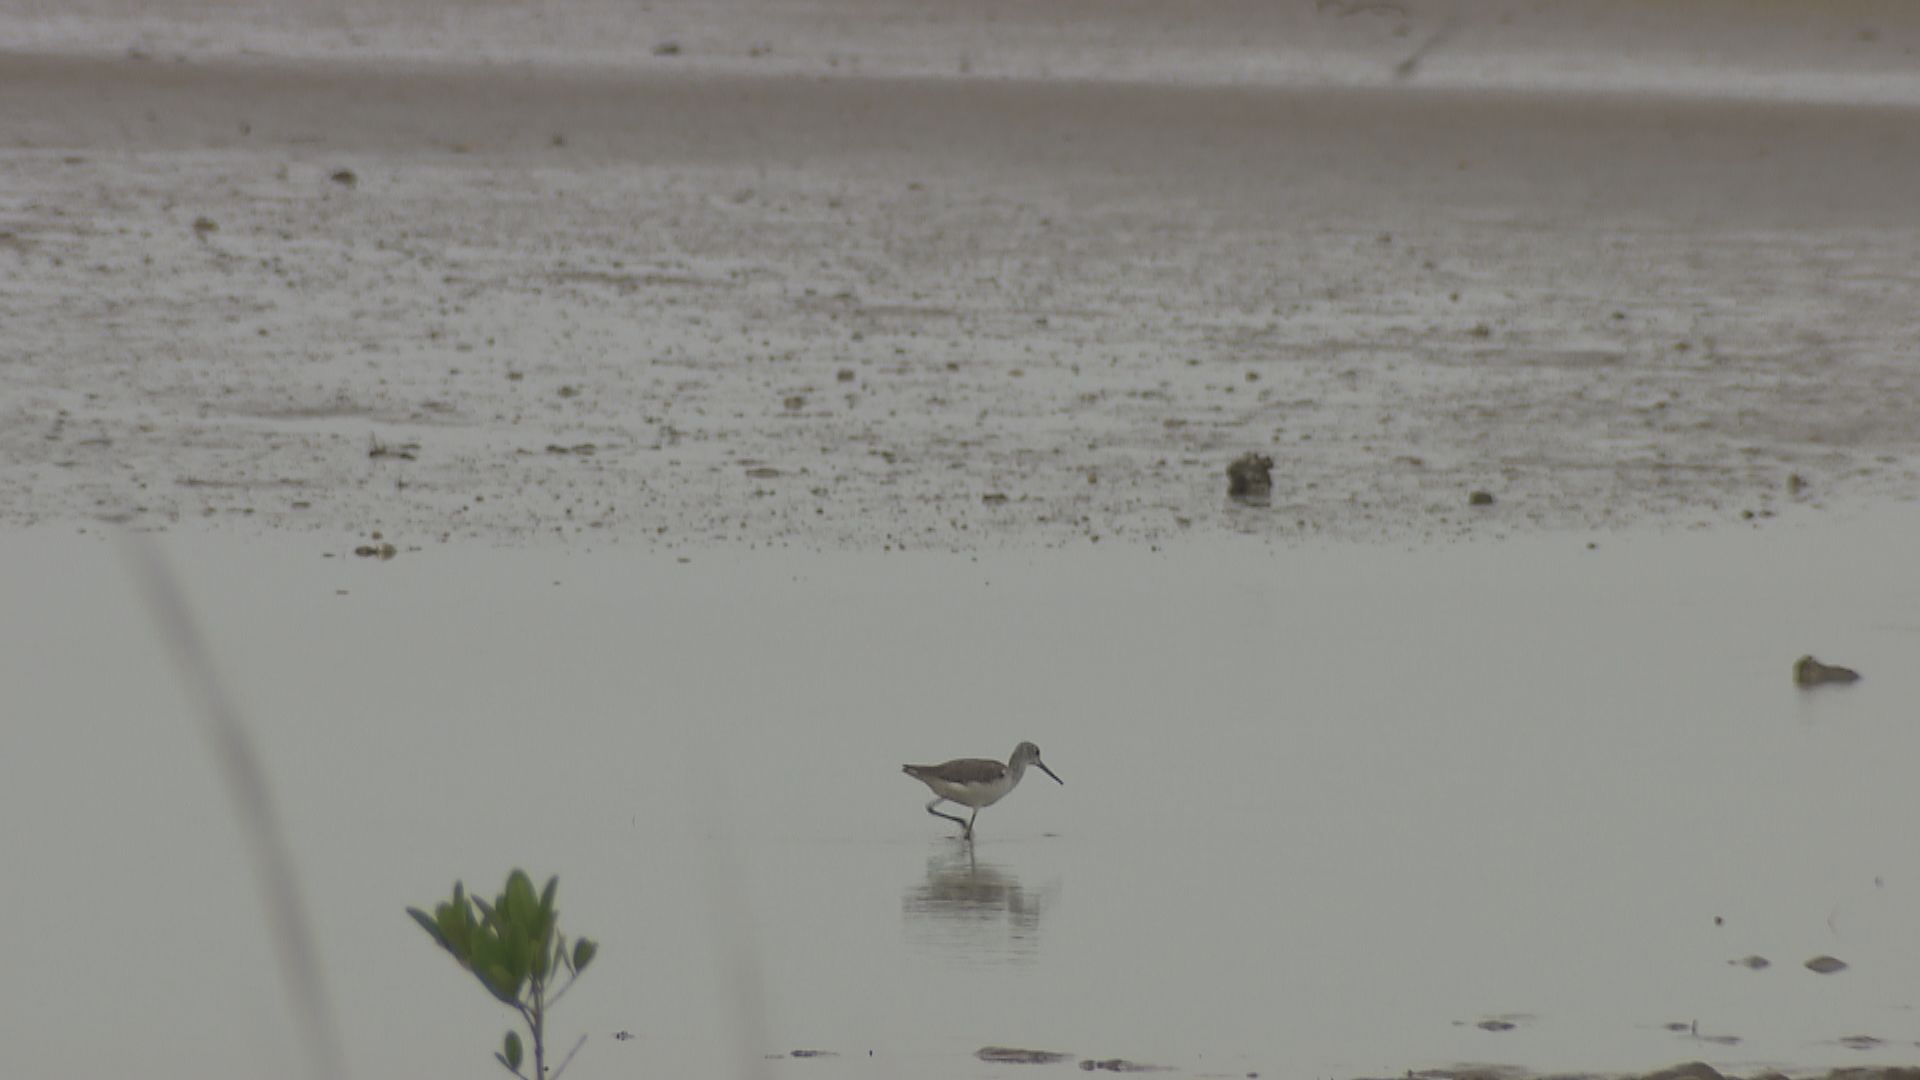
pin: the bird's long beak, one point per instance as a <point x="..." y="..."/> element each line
<point x="1042" y="766"/>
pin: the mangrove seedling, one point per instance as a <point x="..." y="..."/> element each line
<point x="515" y="948"/>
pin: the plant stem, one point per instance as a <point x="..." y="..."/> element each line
<point x="539" y="1030"/>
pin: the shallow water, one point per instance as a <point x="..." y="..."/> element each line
<point x="1326" y="809"/>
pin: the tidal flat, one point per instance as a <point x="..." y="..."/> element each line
<point x="612" y="443"/>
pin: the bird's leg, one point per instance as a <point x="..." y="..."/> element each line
<point x="969" y="832"/>
<point x="949" y="817"/>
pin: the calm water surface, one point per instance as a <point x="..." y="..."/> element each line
<point x="1325" y="812"/>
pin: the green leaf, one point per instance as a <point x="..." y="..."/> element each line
<point x="515" y="952"/>
<point x="541" y="927"/>
<point x="546" y="895"/>
<point x="539" y="957"/>
<point x="513" y="1050"/>
<point x="499" y="982"/>
<point x="519" y="895"/>
<point x="426" y="923"/>
<point x="583" y="951"/>
<point x="489" y="916"/>
<point x="456" y="926"/>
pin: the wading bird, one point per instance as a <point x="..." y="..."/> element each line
<point x="976" y="782"/>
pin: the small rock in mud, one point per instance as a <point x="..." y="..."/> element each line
<point x="1013" y="1056"/>
<point x="1495" y="1025"/>
<point x="383" y="552"/>
<point x="1480" y="498"/>
<point x="1250" y="476"/>
<point x="1753" y="963"/>
<point x="811" y="1053"/>
<point x="403" y="451"/>
<point x="1478" y="1072"/>
<point x="1859" y="1042"/>
<point x="763" y="472"/>
<point x="1826" y="965"/>
<point x="1120" y="1065"/>
<point x="994" y="498"/>
<point x="205" y="225"/>
<point x="667" y="48"/>
<point x="344" y="177"/>
<point x="1810" y="672"/>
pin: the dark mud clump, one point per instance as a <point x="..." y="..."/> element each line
<point x="378" y="549"/>
<point x="1826" y="965"/>
<point x="1692" y="1070"/>
<point x="1120" y="1065"/>
<point x="1503" y="1022"/>
<point x="1008" y="1055"/>
<point x="1810" y="672"/>
<point x="1250" y="477"/>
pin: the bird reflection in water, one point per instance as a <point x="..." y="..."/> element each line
<point x="974" y="909"/>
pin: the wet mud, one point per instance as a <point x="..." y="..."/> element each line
<point x="675" y="311"/>
<point x="1693" y="1070"/>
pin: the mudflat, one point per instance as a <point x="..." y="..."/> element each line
<point x="509" y="301"/>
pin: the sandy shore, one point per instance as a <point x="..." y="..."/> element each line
<point x="504" y="303"/>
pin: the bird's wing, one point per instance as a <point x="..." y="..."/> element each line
<point x="963" y="771"/>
